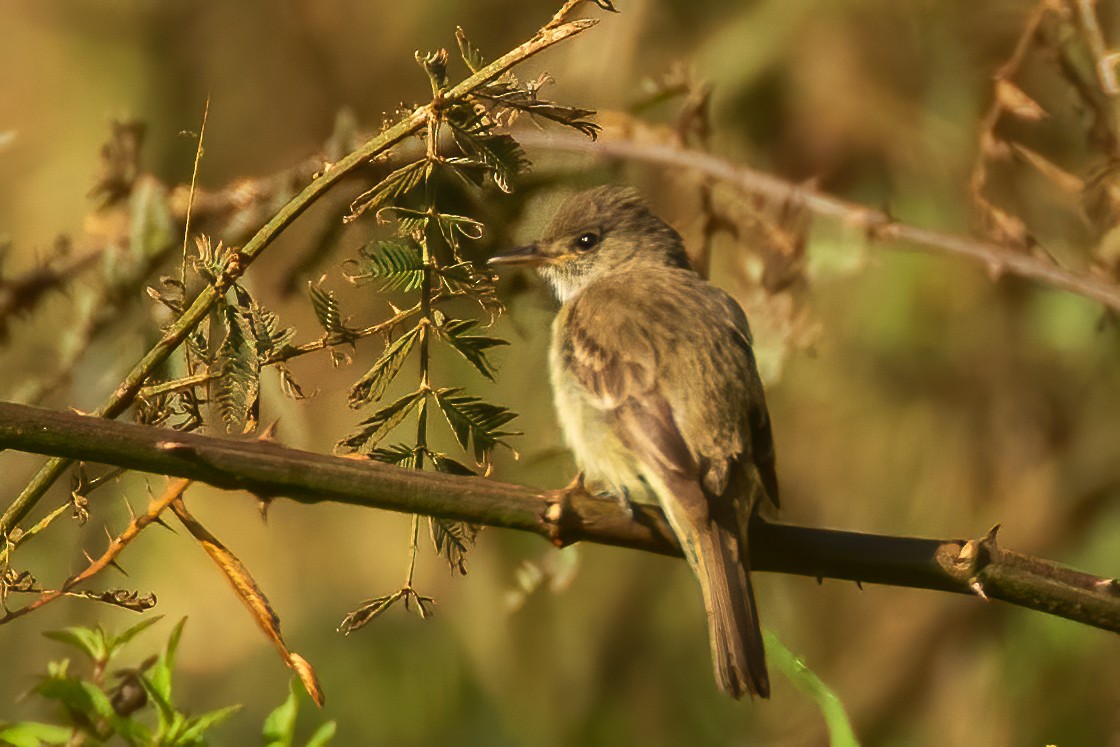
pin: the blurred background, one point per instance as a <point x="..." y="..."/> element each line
<point x="912" y="393"/>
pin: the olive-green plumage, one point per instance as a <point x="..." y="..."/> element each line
<point x="657" y="391"/>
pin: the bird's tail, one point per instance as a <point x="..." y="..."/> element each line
<point x="736" y="638"/>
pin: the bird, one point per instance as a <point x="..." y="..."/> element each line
<point x="658" y="395"/>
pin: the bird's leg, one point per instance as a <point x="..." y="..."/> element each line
<point x="619" y="495"/>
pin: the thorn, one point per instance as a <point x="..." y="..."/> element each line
<point x="159" y="520"/>
<point x="1108" y="585"/>
<point x="263" y="504"/>
<point x="269" y="432"/>
<point x="89" y="558"/>
<point x="990" y="537"/>
<point x="820" y="580"/>
<point x="859" y="585"/>
<point x="116" y="565"/>
<point x="978" y="588"/>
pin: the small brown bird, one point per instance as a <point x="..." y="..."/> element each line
<point x="658" y="393"/>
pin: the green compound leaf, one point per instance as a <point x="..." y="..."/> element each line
<point x="469" y="52"/>
<point x="372" y="385"/>
<point x="472" y="347"/>
<point x="401" y="455"/>
<point x="236" y="390"/>
<point x="374" y="428"/>
<point x="395" y="265"/>
<point x="392" y="188"/>
<point x="474" y="421"/>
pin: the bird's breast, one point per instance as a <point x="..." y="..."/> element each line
<point x="589" y="432"/>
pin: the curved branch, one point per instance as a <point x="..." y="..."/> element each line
<point x="978" y="566"/>
<point x="877" y="223"/>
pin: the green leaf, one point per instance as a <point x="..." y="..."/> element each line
<point x="435" y="65"/>
<point x="82" y="697"/>
<point x="398" y="266"/>
<point x="456" y="227"/>
<point x="195" y="728"/>
<point x="160" y="675"/>
<point x="90" y="641"/>
<point x="402" y="455"/>
<point x="506" y="95"/>
<point x="374" y="428"/>
<point x="372" y="385"/>
<point x="474" y="421"/>
<point x="32" y="734"/>
<point x="500" y="153"/>
<point x="236" y="390"/>
<point x="840" y="732"/>
<point x="453" y="540"/>
<point x="326" y="309"/>
<point x="322" y="735"/>
<point x="469" y="52"/>
<point x="119" y="640"/>
<point x="392" y="188"/>
<point x="280" y="725"/>
<point x="472" y="347"/>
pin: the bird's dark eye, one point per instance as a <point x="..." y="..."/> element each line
<point x="587" y="241"/>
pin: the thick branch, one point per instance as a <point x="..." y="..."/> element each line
<point x="269" y="470"/>
<point x="878" y="223"/>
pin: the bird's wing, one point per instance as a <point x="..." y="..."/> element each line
<point x="621" y="379"/>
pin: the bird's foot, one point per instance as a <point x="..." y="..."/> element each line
<point x="621" y="497"/>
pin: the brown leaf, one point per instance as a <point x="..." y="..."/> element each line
<point x="252" y="596"/>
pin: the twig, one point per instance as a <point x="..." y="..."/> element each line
<point x="155" y="508"/>
<point x="174" y="336"/>
<point x="268" y="470"/>
<point x="878" y="224"/>
<point x="284" y="354"/>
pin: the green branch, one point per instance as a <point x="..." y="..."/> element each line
<point x="174" y="336"/>
<point x="980" y="567"/>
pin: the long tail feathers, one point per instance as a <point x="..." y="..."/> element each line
<point x="736" y="638"/>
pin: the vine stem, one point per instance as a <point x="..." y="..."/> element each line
<point x="174" y="336"/>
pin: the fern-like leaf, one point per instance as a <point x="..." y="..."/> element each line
<point x="326" y="309"/>
<point x="473" y="421"/>
<point x="453" y="540"/>
<point x="392" y="188"/>
<point x="455" y="332"/>
<point x="395" y="265"/>
<point x="401" y="455"/>
<point x="372" y="385"/>
<point x="469" y="52"/>
<point x="506" y="95"/>
<point x="500" y="153"/>
<point x="236" y="390"/>
<point x="374" y="428"/>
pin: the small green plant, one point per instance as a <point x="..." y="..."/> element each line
<point x="133" y="704"/>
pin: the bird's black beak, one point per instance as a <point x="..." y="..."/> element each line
<point x="528" y="256"/>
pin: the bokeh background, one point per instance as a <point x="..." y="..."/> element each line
<point x="911" y="393"/>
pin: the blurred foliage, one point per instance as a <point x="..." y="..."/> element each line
<point x="134" y="704"/>
<point x="911" y="394"/>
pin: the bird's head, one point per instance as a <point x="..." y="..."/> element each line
<point x="602" y="231"/>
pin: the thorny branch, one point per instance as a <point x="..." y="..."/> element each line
<point x="978" y="566"/>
